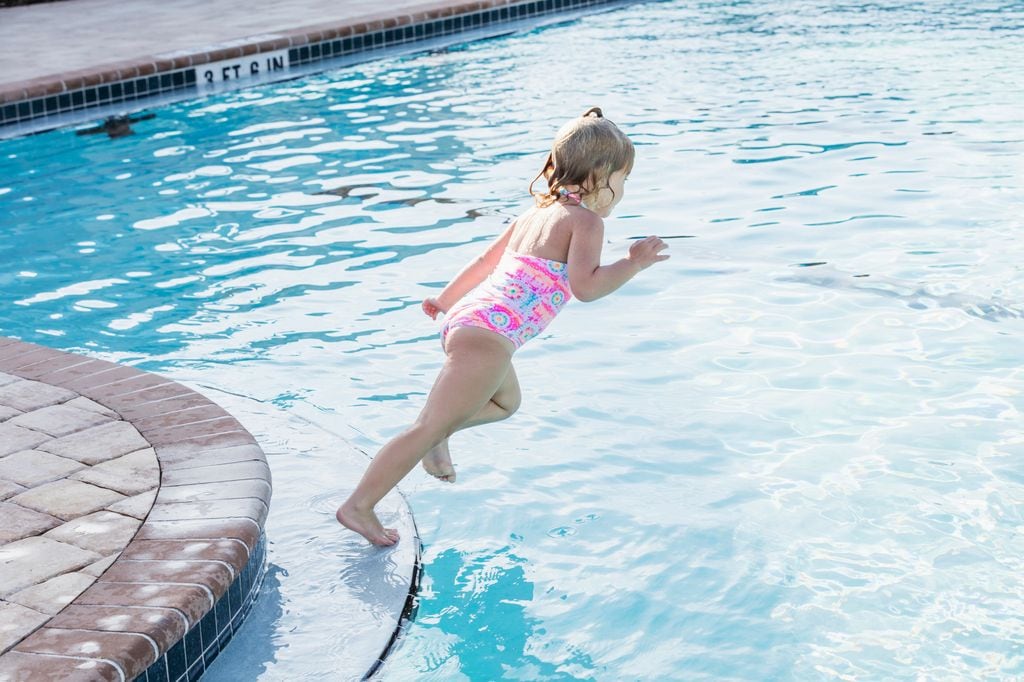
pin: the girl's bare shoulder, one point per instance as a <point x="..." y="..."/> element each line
<point x="577" y="220"/>
<point x="584" y="216"/>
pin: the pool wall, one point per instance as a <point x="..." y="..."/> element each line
<point x="46" y="102"/>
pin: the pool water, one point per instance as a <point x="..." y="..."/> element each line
<point x="791" y="452"/>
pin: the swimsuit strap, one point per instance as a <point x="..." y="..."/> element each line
<point x="563" y="192"/>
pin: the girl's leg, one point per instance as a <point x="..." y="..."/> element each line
<point x="502" y="405"/>
<point x="477" y="364"/>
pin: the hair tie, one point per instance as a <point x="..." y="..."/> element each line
<point x="563" y="192"/>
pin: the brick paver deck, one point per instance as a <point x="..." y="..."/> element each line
<point x="130" y="505"/>
<point x="65" y="463"/>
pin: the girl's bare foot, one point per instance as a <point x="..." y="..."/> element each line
<point x="438" y="462"/>
<point x="366" y="524"/>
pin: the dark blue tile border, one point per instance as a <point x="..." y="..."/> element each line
<point x="129" y="91"/>
<point x="189" y="658"/>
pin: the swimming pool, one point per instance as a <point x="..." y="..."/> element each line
<point x="790" y="452"/>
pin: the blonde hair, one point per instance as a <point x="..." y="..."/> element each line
<point x="586" y="151"/>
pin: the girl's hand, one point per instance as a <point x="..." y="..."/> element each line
<point x="647" y="252"/>
<point x="431" y="307"/>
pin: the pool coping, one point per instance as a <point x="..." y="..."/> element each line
<point x="191" y="571"/>
<point x="46" y="102"/>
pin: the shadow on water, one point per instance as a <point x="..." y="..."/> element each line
<point x="478" y="621"/>
<point x="256" y="635"/>
<point x="911" y="294"/>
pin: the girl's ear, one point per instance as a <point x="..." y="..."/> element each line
<point x="595" y="182"/>
<point x="587" y="186"/>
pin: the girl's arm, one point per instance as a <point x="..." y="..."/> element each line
<point x="470" y="276"/>
<point x="588" y="279"/>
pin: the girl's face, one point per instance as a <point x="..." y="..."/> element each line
<point x="604" y="201"/>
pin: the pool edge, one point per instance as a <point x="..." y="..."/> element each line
<point x="411" y="605"/>
<point x="75" y="96"/>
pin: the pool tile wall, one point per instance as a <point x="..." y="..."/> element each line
<point x="183" y="75"/>
<point x="189" y="657"/>
<point x="160" y="600"/>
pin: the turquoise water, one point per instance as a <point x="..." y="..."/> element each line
<point x="791" y="452"/>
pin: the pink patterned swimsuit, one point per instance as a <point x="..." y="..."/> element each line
<point x="518" y="299"/>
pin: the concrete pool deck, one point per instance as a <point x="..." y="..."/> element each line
<point x="98" y="33"/>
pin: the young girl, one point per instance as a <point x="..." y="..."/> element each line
<point x="549" y="254"/>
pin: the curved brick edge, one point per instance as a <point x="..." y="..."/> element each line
<point x="200" y="545"/>
<point x="137" y="82"/>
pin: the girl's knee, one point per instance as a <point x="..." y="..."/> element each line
<point x="508" y="398"/>
<point x="510" y="404"/>
<point x="514" y="400"/>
